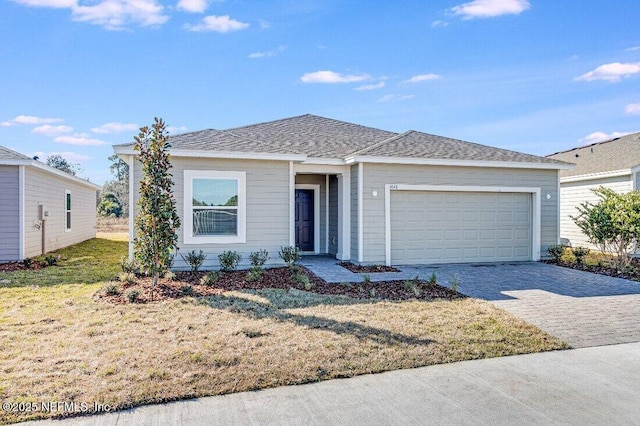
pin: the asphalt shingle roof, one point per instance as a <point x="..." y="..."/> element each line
<point x="7" y="154"/>
<point x="322" y="137"/>
<point x="617" y="154"/>
<point x="424" y="145"/>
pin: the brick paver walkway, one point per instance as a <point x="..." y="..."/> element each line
<point x="582" y="308"/>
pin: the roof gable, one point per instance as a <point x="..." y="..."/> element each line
<point x="617" y="154"/>
<point x="7" y="155"/>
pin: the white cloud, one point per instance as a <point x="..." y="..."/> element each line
<point x="79" y="139"/>
<point x="612" y="72"/>
<point x="220" y="24"/>
<point x="115" y="128"/>
<point x="29" y="119"/>
<point x="633" y="109"/>
<point x="176" y="129"/>
<point x="490" y="8"/>
<point x="632" y="48"/>
<point x="193" y="6"/>
<point x="601" y="137"/>
<point x="379" y="85"/>
<point x="269" y="54"/>
<point x="58" y="4"/>
<point x="392" y="97"/>
<point x="439" y="24"/>
<point x="116" y="14"/>
<point x="67" y="155"/>
<point x="422" y="77"/>
<point x="333" y="77"/>
<point x="49" y="130"/>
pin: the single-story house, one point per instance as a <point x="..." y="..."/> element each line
<point x="613" y="164"/>
<point x="357" y="193"/>
<point x="41" y="207"/>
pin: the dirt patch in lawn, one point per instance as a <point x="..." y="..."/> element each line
<point x="189" y="284"/>
<point x="367" y="269"/>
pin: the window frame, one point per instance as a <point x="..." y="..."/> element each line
<point x="240" y="177"/>
<point x="67" y="211"/>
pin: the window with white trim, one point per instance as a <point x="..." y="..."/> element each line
<point x="67" y="210"/>
<point x="214" y="207"/>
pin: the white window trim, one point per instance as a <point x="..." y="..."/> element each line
<point x="316" y="214"/>
<point x="535" y="201"/>
<point x="188" y="237"/>
<point x="67" y="228"/>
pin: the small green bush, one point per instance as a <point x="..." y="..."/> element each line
<point x="128" y="265"/>
<point x="127" y="277"/>
<point x="111" y="288"/>
<point x="210" y="278"/>
<point x="556" y="251"/>
<point x="259" y="258"/>
<point x="412" y="285"/>
<point x="455" y="282"/>
<point x="366" y="279"/>
<point x="27" y="262"/>
<point x="580" y="253"/>
<point x="195" y="260"/>
<point x="254" y="274"/>
<point x="229" y="260"/>
<point x="132" y="295"/>
<point x="433" y="279"/>
<point x="169" y="276"/>
<point x="290" y="254"/>
<point x="295" y="269"/>
<point x="187" y="290"/>
<point x="50" y="260"/>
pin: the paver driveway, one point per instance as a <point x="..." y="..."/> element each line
<point x="582" y="308"/>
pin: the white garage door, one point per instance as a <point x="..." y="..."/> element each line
<point x="458" y="227"/>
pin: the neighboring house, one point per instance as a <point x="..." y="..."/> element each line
<point x="613" y="164"/>
<point x="357" y="193"/>
<point x="41" y="208"/>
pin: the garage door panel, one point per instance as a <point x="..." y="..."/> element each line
<point x="449" y="227"/>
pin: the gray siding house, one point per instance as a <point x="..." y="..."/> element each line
<point x="41" y="208"/>
<point x="613" y="164"/>
<point x="357" y="193"/>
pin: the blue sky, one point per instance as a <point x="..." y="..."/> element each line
<point x="537" y="76"/>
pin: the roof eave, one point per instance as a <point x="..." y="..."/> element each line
<point x="220" y="154"/>
<point x="459" y="163"/>
<point x="599" y="175"/>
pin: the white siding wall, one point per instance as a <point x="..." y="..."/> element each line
<point x="267" y="195"/>
<point x="333" y="215"/>
<point x="9" y="214"/>
<point x="572" y="194"/>
<point x="48" y="189"/>
<point x="377" y="175"/>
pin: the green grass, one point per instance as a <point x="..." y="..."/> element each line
<point x="89" y="262"/>
<point x="58" y="343"/>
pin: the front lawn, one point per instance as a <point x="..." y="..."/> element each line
<point x="60" y="342"/>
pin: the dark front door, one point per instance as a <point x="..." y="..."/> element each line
<point x="304" y="219"/>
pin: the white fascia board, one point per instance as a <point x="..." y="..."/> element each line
<point x="326" y="161"/>
<point x="459" y="163"/>
<point x="15" y="162"/>
<point x="319" y="168"/>
<point x="220" y="154"/>
<point x="60" y="173"/>
<point x="599" y="175"/>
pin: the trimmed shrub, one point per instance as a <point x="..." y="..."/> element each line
<point x="195" y="260"/>
<point x="580" y="253"/>
<point x="210" y="278"/>
<point x="229" y="260"/>
<point x="111" y="288"/>
<point x="259" y="258"/>
<point x="556" y="251"/>
<point x="132" y="295"/>
<point x="290" y="254"/>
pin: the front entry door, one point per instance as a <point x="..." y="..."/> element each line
<point x="304" y="219"/>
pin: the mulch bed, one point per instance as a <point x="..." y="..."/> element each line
<point x="633" y="273"/>
<point x="20" y="266"/>
<point x="368" y="269"/>
<point x="188" y="284"/>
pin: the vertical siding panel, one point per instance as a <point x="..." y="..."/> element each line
<point x="9" y="213"/>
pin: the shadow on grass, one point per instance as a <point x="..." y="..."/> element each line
<point x="270" y="304"/>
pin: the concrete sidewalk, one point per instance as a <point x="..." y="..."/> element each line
<point x="599" y="385"/>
